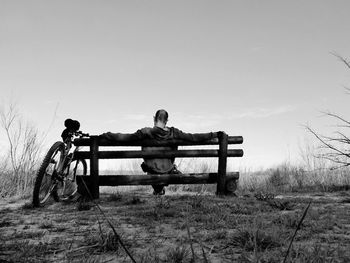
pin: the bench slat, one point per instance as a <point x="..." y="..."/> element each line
<point x="149" y="179"/>
<point x="104" y="142"/>
<point x="158" y="154"/>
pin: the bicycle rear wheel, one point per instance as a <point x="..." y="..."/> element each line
<point x="46" y="178"/>
<point x="67" y="188"/>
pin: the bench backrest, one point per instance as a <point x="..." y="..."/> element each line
<point x="94" y="142"/>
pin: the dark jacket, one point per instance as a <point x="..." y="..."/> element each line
<point x="159" y="165"/>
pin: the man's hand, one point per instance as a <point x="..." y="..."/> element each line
<point x="105" y="135"/>
<point x="219" y="134"/>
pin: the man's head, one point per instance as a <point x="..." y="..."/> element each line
<point x="161" y="118"/>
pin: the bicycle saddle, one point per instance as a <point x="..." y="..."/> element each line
<point x="72" y="125"/>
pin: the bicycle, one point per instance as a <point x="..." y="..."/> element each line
<point x="57" y="174"/>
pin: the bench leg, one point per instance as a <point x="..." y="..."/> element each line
<point x="94" y="186"/>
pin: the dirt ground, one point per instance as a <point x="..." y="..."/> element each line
<point x="179" y="227"/>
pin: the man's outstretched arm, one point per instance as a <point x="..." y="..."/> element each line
<point x="122" y="136"/>
<point x="194" y="137"/>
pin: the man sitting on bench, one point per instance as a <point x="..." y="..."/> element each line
<point x="159" y="132"/>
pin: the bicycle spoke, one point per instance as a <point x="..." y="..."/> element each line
<point x="69" y="186"/>
<point x="52" y="187"/>
<point x="56" y="176"/>
<point x="47" y="176"/>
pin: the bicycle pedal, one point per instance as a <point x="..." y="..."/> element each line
<point x="60" y="178"/>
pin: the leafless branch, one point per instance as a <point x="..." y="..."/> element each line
<point x="342" y="59"/>
<point x="335" y="160"/>
<point x="337" y="117"/>
<point x="339" y="167"/>
<point x="335" y="148"/>
<point x="328" y="145"/>
<point x="343" y="138"/>
<point x="347" y="90"/>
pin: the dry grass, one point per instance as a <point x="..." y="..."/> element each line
<point x="256" y="239"/>
<point x="289" y="178"/>
<point x="181" y="228"/>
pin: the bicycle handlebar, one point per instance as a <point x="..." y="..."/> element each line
<point x="81" y="134"/>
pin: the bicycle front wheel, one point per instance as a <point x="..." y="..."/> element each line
<point x="67" y="188"/>
<point x="46" y="178"/>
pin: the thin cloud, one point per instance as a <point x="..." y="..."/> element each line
<point x="196" y="126"/>
<point x="205" y="117"/>
<point x="264" y="112"/>
<point x="194" y="122"/>
<point x="256" y="49"/>
<point x="135" y="117"/>
<point x="111" y="121"/>
<point x="206" y="120"/>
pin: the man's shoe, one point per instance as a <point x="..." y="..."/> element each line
<point x="162" y="192"/>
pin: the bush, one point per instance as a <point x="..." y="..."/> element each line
<point x="21" y="158"/>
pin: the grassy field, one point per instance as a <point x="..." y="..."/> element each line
<point x="181" y="226"/>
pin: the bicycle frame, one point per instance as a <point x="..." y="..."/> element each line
<point x="68" y="157"/>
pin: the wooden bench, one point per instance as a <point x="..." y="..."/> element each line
<point x="226" y="182"/>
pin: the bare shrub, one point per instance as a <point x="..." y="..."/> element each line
<point x="334" y="148"/>
<point x="21" y="157"/>
<point x="279" y="177"/>
<point x="295" y="178"/>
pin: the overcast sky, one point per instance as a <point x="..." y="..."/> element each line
<point x="260" y="69"/>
